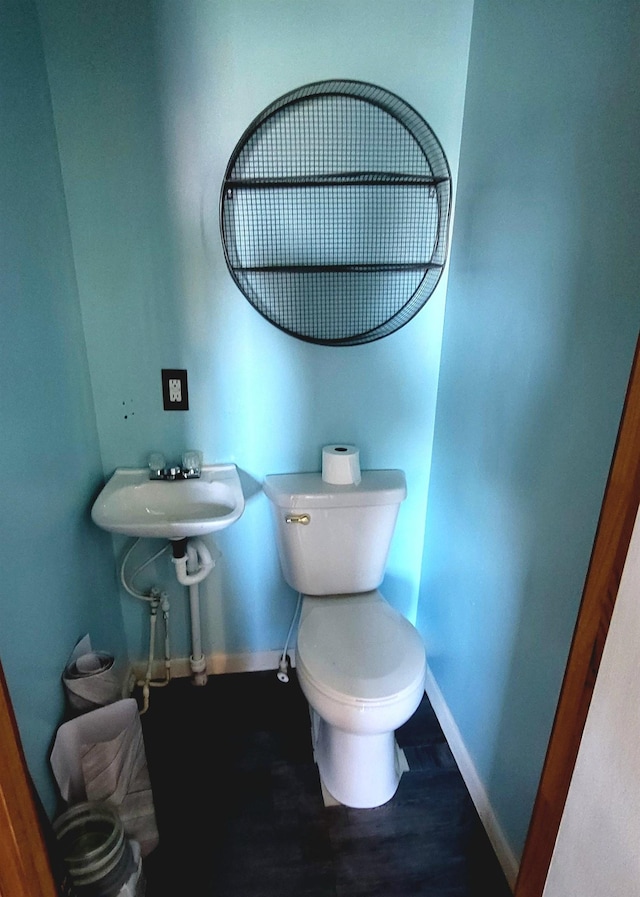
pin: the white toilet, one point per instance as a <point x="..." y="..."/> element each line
<point x="360" y="663"/>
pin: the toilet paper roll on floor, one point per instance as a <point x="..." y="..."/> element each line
<point x="341" y="465"/>
<point x="90" y="678"/>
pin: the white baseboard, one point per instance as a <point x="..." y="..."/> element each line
<point x="246" y="662"/>
<point x="476" y="789"/>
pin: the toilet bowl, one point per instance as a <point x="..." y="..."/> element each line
<point x="361" y="666"/>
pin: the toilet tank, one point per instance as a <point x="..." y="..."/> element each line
<point x="334" y="540"/>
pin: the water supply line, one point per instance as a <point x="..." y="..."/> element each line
<point x="285" y="660"/>
<point x="128" y="586"/>
<point x="147" y="683"/>
<point x="193" y="562"/>
<point x="156" y="599"/>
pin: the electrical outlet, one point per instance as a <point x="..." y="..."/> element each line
<point x="174" y="389"/>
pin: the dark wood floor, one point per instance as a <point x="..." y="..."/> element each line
<point x="240" y="811"/>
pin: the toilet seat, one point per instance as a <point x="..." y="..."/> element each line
<point x="358" y="650"/>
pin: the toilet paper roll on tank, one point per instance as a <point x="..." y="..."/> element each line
<point x="341" y="464"/>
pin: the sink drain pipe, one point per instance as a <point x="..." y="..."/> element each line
<point x="193" y="562"/>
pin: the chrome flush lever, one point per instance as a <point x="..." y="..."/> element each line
<point x="304" y="519"/>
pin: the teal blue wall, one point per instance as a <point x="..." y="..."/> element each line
<point x="542" y="317"/>
<point x="115" y="270"/>
<point x="57" y="570"/>
<point x="150" y="99"/>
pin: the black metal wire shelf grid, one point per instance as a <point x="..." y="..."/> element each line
<point x="334" y="213"/>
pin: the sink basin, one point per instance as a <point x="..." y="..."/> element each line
<point x="134" y="505"/>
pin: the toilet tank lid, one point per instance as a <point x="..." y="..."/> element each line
<point x="305" y="490"/>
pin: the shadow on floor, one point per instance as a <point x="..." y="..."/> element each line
<point x="240" y="811"/>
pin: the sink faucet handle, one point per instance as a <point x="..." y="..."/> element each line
<point x="156" y="462"/>
<point x="192" y="460"/>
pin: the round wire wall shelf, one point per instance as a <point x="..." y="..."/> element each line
<point x="334" y="213"/>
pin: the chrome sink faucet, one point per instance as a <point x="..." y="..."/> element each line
<point x="189" y="469"/>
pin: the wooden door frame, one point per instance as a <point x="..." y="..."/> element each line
<point x="24" y="863"/>
<point x="610" y="547"/>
